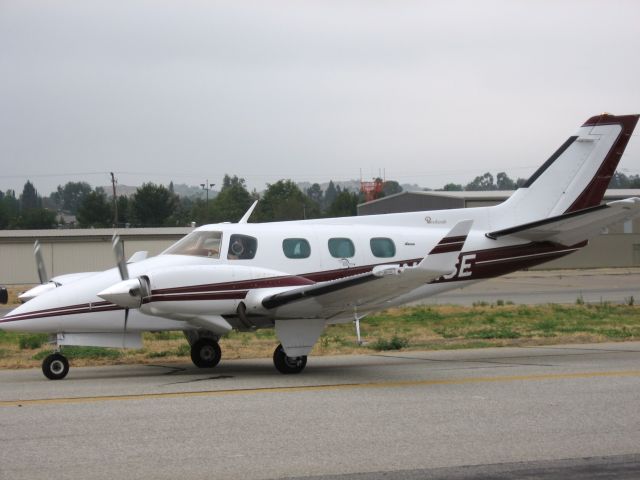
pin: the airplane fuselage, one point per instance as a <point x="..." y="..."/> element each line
<point x="194" y="281"/>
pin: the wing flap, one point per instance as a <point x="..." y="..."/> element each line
<point x="574" y="227"/>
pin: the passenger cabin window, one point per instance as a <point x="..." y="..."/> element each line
<point x="341" y="248"/>
<point x="296" y="248"/>
<point x="382" y="247"/>
<point x="242" y="247"/>
<point x="199" y="243"/>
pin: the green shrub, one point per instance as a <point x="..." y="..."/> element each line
<point x="395" y="343"/>
<point x="32" y="341"/>
<point x="83" y="352"/>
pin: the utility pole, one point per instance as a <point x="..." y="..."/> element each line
<point x="115" y="201"/>
<point x="206" y="187"/>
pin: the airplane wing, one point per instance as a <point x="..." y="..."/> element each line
<point x="574" y="227"/>
<point x="367" y="290"/>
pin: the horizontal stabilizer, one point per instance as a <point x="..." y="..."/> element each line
<point x="572" y="228"/>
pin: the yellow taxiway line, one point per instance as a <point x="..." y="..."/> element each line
<point x="314" y="388"/>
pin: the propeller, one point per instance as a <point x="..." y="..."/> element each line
<point x="118" y="250"/>
<point x="46" y="283"/>
<point x="42" y="270"/>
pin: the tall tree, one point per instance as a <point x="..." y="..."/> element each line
<point x="124" y="210"/>
<point x="152" y="205"/>
<point x="95" y="210"/>
<point x="29" y="198"/>
<point x="231" y="203"/>
<point x="482" y="183"/>
<point x="69" y="197"/>
<point x="283" y="200"/>
<point x="345" y="205"/>
<point x="391" y="187"/>
<point x="315" y="193"/>
<point x="9" y="210"/>
<point x="330" y="194"/>
<point x="503" y="182"/>
<point x="36" y="218"/>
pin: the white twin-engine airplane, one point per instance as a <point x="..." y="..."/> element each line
<point x="299" y="276"/>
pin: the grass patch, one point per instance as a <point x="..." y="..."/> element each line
<point x="32" y="341"/>
<point x="394" y="343"/>
<point x="83" y="352"/>
<point x="488" y="333"/>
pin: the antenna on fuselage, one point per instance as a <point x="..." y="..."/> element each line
<point x="246" y="216"/>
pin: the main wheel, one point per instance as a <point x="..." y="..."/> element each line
<point x="286" y="364"/>
<point x="205" y="353"/>
<point x="55" y="366"/>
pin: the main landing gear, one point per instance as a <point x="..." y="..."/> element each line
<point x="55" y="366"/>
<point x="205" y="353"/>
<point x="286" y="364"/>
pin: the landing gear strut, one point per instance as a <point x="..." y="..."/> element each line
<point x="286" y="364"/>
<point x="55" y="366"/>
<point x="205" y="353"/>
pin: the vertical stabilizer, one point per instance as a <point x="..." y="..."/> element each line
<point x="576" y="175"/>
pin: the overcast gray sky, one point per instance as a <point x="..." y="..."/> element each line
<point x="429" y="91"/>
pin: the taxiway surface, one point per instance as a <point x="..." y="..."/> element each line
<point x="488" y="413"/>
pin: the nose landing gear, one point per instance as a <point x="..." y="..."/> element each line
<point x="55" y="366"/>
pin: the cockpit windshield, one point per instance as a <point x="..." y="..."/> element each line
<point x="200" y="244"/>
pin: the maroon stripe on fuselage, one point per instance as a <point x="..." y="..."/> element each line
<point x="61" y="311"/>
<point x="230" y="295"/>
<point x="281" y="281"/>
<point x="489" y="263"/>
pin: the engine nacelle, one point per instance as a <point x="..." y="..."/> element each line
<point x="200" y="290"/>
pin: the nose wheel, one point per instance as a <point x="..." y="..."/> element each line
<point x="286" y="364"/>
<point x="205" y="353"/>
<point x="55" y="366"/>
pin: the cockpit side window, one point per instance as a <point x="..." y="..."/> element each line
<point x="200" y="244"/>
<point x="242" y="247"/>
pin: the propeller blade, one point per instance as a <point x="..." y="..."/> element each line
<point x="118" y="250"/>
<point x="42" y="270"/>
<point x="126" y="319"/>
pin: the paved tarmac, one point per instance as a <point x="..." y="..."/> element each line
<point x="540" y="412"/>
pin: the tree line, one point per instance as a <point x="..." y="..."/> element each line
<point x="154" y="205"/>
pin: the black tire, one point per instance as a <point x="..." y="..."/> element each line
<point x="205" y="353"/>
<point x="286" y="364"/>
<point x="55" y="366"/>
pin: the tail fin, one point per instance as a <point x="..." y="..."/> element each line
<point x="577" y="174"/>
